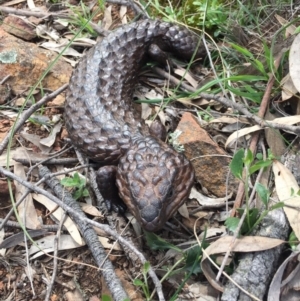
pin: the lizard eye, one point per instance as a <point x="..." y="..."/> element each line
<point x="170" y="193"/>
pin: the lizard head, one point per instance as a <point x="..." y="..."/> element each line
<point x="153" y="181"/>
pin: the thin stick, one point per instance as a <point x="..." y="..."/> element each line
<point x="26" y="114"/>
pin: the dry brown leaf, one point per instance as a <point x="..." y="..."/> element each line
<point x="229" y="120"/>
<point x="46" y="244"/>
<point x="58" y="213"/>
<point x="290" y="120"/>
<point x="35" y="139"/>
<point x="2" y="234"/>
<point x="31" y="5"/>
<point x="13" y="2"/>
<point x="290" y="30"/>
<point x="276" y="284"/>
<point x="49" y="141"/>
<point x="22" y="153"/>
<point x="184" y="211"/>
<point x="244" y="244"/>
<point x="66" y="242"/>
<point x="294" y="62"/>
<point x="287" y="188"/>
<point x="187" y="76"/>
<point x="288" y="87"/>
<point x="59" y="47"/>
<point x="146" y="111"/>
<point x="26" y="209"/>
<point x="207" y="201"/>
<point x="123" y="14"/>
<point x="4" y="160"/>
<point x="274" y="138"/>
<point x="107" y="19"/>
<point x="90" y="209"/>
<point x="240" y="133"/>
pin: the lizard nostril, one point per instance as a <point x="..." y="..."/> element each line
<point x="149" y="213"/>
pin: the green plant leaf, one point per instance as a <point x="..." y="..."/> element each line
<point x="253" y="216"/>
<point x="259" y="66"/>
<point x="77" y="178"/>
<point x="293" y="240"/>
<point x="77" y="194"/>
<point x="68" y="182"/>
<point x="236" y="164"/>
<point x="242" y="50"/>
<point x="259" y="156"/>
<point x="231" y="223"/>
<point x="277" y="206"/>
<point x="157" y="243"/>
<point x="85" y="192"/>
<point x="193" y="256"/>
<point x="263" y="193"/>
<point x="138" y="282"/>
<point x="146" y="267"/>
<point x="257" y="166"/>
<point x="255" y="97"/>
<point x="248" y="159"/>
<point x="105" y="298"/>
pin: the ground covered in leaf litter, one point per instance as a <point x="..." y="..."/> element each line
<point x="75" y="278"/>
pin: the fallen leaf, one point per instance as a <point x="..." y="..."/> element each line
<point x="59" y="47"/>
<point x="288" y="88"/>
<point x="107" y="18"/>
<point x="187" y="76"/>
<point x="289" y="120"/>
<point x="294" y="62"/>
<point x="26" y="209"/>
<point x="276" y="283"/>
<point x="287" y="188"/>
<point x="35" y="139"/>
<point x="206" y="201"/>
<point x="243" y="244"/>
<point x="46" y="245"/>
<point x="90" y="209"/>
<point x="290" y="29"/>
<point x="58" y="213"/>
<point x="229" y="120"/>
<point x="49" y="141"/>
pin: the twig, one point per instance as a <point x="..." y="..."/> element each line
<point x="103" y="208"/>
<point x="174" y="79"/>
<point x="212" y="206"/>
<point x="256" y="119"/>
<point x="5" y="79"/>
<point x="45" y="160"/>
<point x="240" y="108"/>
<point x="90" y="236"/>
<point x="56" y="15"/>
<point x="50" y="228"/>
<point x="261" y="113"/>
<point x="24" y="12"/>
<point x="85" y="220"/>
<point x="99" y="198"/>
<point x="55" y="257"/>
<point x="11" y="211"/>
<point x="48" y="161"/>
<point x="134" y="5"/>
<point x="26" y="114"/>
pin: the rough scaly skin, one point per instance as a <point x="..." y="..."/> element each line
<point x="152" y="178"/>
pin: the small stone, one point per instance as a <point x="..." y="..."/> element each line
<point x="211" y="162"/>
<point x="4" y="94"/>
<point x="19" y="27"/>
<point x="28" y="64"/>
